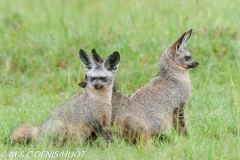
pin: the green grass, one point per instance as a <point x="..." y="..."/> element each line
<point x="40" y="67"/>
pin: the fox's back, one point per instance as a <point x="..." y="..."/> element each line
<point x="162" y="93"/>
<point x="80" y="108"/>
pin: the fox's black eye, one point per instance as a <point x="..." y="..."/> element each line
<point x="103" y="79"/>
<point x="187" y="58"/>
<point x="92" y="79"/>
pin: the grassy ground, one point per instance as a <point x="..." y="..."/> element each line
<point x="40" y="67"/>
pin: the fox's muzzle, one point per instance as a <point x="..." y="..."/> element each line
<point x="98" y="86"/>
<point x="193" y="64"/>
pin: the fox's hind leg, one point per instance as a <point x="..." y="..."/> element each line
<point x="54" y="132"/>
<point x="80" y="133"/>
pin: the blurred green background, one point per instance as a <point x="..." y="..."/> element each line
<point x="40" y="66"/>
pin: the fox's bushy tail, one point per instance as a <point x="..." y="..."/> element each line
<point x="24" y="133"/>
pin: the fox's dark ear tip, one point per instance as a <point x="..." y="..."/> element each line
<point x="190" y="31"/>
<point x="81" y="51"/>
<point x="116" y="53"/>
<point x="93" y="51"/>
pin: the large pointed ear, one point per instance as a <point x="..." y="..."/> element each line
<point x="184" y="38"/>
<point x="112" y="61"/>
<point x="96" y="57"/>
<point x="187" y="36"/>
<point x="86" y="60"/>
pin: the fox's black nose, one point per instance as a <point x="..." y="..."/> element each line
<point x="98" y="86"/>
<point x="95" y="86"/>
<point x="195" y="64"/>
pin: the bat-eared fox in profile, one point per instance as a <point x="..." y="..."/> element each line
<point x="166" y="95"/>
<point x="159" y="105"/>
<point x="84" y="116"/>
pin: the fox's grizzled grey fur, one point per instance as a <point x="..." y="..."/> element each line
<point x="166" y="95"/>
<point x="83" y="116"/>
<point x="159" y="105"/>
<point x="128" y="116"/>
